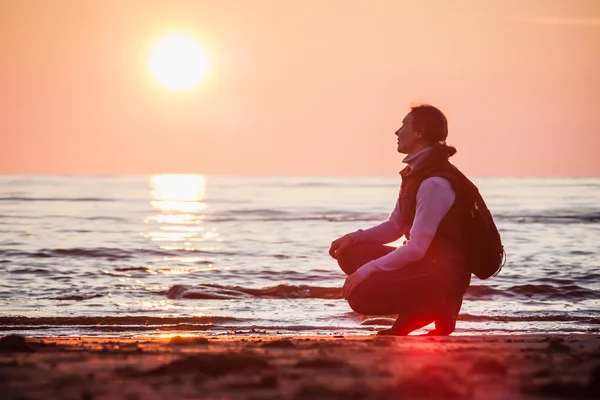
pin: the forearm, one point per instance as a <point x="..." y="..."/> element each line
<point x="383" y="233"/>
<point x="434" y="199"/>
<point x="413" y="251"/>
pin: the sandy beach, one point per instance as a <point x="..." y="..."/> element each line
<point x="254" y="367"/>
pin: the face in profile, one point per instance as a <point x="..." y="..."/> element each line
<point x="407" y="136"/>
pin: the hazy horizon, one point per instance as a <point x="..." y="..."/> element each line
<point x="251" y="176"/>
<point x="301" y="88"/>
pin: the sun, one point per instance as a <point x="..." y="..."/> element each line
<point x="178" y="62"/>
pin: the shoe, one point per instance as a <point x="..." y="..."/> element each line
<point x="390" y="332"/>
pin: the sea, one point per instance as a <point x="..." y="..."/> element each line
<point x="171" y="255"/>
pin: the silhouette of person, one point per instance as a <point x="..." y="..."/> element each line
<point x="424" y="280"/>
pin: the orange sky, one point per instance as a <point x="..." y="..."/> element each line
<point x="312" y="87"/>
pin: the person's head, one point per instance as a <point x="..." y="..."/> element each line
<point x="422" y="127"/>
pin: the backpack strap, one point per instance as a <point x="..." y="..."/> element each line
<point x="411" y="185"/>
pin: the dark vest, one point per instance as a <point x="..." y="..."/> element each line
<point x="446" y="256"/>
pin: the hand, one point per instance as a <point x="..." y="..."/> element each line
<point x="339" y="245"/>
<point x="352" y="281"/>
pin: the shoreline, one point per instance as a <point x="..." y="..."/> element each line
<point x="301" y="367"/>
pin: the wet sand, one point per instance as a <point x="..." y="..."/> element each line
<point x="352" y="367"/>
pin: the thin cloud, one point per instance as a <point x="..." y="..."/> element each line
<point x="560" y="21"/>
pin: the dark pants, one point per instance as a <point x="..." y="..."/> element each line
<point x="411" y="292"/>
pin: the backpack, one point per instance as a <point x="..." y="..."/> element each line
<point x="485" y="253"/>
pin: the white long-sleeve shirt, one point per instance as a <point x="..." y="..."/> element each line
<point x="435" y="197"/>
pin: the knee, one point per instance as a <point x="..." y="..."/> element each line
<point x="357" y="304"/>
<point x="349" y="261"/>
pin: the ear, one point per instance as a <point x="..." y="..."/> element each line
<point x="420" y="135"/>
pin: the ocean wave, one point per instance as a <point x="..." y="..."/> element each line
<point x="58" y="216"/>
<point x="559" y="218"/>
<point x="114" y="321"/>
<point x="29" y="270"/>
<point x="382" y="321"/>
<point x="109" y="253"/>
<point x="283" y="291"/>
<point x="541" y="292"/>
<point x="257" y="211"/>
<point x="102" y="218"/>
<point x="286" y="215"/>
<point x="230" y="325"/>
<point x="334" y="215"/>
<point x="529" y="318"/>
<point x="126" y="269"/>
<point x="296" y="219"/>
<point x="58" y="199"/>
<point x="78" y="297"/>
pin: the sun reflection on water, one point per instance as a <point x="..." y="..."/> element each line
<point x="179" y="201"/>
<point x="178" y="193"/>
<point x="177" y="224"/>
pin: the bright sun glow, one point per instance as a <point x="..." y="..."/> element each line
<point x="178" y="193"/>
<point x="178" y="62"/>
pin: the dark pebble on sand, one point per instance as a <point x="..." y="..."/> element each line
<point x="279" y="344"/>
<point x="188" y="341"/>
<point x="212" y="364"/>
<point x="14" y="344"/>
